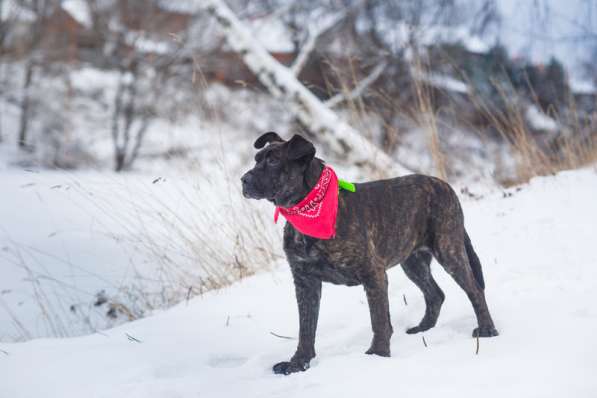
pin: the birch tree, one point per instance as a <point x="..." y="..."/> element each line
<point x="282" y="82"/>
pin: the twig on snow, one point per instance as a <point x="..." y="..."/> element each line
<point x="131" y="338"/>
<point x="189" y="294"/>
<point x="282" y="337"/>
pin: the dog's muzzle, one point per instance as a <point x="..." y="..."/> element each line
<point x="248" y="184"/>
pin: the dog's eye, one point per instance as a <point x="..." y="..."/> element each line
<point x="272" y="161"/>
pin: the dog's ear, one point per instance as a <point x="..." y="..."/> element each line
<point x="266" y="138"/>
<point x="300" y="148"/>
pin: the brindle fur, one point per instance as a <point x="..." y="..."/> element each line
<point x="404" y="220"/>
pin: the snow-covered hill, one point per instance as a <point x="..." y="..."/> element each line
<point x="536" y="244"/>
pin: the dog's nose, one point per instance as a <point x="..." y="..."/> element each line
<point x="247" y="182"/>
<point x="245" y="178"/>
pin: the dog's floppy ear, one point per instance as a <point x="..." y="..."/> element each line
<point x="299" y="148"/>
<point x="266" y="138"/>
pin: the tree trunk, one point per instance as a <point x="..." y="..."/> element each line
<point x="25" y="105"/>
<point x="119" y="160"/>
<point x="308" y="109"/>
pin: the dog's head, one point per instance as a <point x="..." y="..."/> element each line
<point x="282" y="170"/>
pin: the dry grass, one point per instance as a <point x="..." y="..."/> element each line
<point x="528" y="153"/>
<point x="427" y="119"/>
<point x="540" y="153"/>
<point x="367" y="120"/>
<point x="198" y="237"/>
<point x="182" y="238"/>
<point x="59" y="307"/>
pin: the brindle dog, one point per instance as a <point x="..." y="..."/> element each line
<point x="404" y="220"/>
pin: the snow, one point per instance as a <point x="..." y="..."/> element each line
<point x="182" y="136"/>
<point x="454" y="34"/>
<point x="65" y="237"/>
<point x="539" y="120"/>
<point x="51" y="221"/>
<point x="536" y="245"/>
<point x="580" y="86"/>
<point x="443" y="82"/>
<point x="148" y="45"/>
<point x="12" y="10"/>
<point x="183" y="6"/>
<point x="79" y="10"/>
<point x="272" y="35"/>
<point x="88" y="78"/>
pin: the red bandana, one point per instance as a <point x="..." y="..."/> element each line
<point x="315" y="215"/>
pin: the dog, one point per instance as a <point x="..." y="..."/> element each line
<point x="404" y="220"/>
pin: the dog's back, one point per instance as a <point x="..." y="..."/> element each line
<point x="398" y="216"/>
<point x="382" y="222"/>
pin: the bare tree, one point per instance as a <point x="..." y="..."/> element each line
<point x="40" y="9"/>
<point x="142" y="73"/>
<point x="5" y="26"/>
<point x="129" y="123"/>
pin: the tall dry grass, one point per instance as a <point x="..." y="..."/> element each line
<point x="538" y="153"/>
<point x="182" y="236"/>
<point x="427" y="119"/>
<point x="198" y="236"/>
<point x="528" y="152"/>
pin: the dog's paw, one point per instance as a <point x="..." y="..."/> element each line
<point x="419" y="328"/>
<point x="286" y="368"/>
<point x="485" y="331"/>
<point x="382" y="352"/>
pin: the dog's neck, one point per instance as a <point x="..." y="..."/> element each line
<point x="312" y="174"/>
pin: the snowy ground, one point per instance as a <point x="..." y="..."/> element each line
<point x="536" y="246"/>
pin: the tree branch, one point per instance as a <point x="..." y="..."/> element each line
<point x="360" y="88"/>
<point x="306" y="107"/>
<point x="313" y="35"/>
<point x="303" y="55"/>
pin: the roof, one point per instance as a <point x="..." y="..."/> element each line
<point x="79" y="10"/>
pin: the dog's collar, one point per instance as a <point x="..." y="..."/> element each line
<point x="315" y="215"/>
<point x="348" y="186"/>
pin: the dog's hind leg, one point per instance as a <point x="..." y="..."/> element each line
<point x="417" y="268"/>
<point x="450" y="251"/>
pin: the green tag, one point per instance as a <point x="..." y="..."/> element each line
<point x="349" y="186"/>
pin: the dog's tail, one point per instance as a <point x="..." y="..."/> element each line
<point x="474" y="261"/>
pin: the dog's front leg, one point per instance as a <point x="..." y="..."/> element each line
<point x="376" y="288"/>
<point x="308" y="296"/>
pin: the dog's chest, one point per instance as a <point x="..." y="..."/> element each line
<point x="326" y="260"/>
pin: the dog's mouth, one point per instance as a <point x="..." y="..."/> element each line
<point x="248" y="188"/>
<point x="249" y="193"/>
<point x="251" y="189"/>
